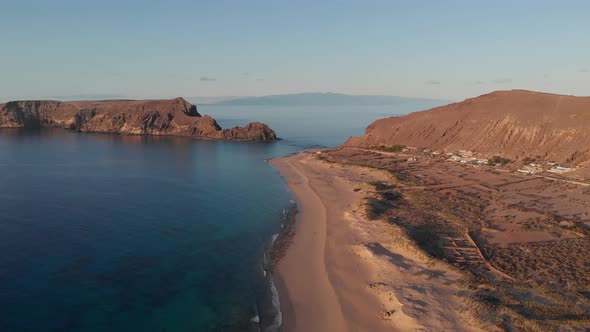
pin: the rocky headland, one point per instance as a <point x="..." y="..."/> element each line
<point x="175" y="117"/>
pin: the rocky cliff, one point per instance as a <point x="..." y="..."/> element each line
<point x="137" y="117"/>
<point x="513" y="124"/>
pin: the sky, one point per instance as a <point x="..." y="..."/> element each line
<point x="157" y="49"/>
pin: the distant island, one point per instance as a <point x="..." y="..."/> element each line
<point x="328" y="99"/>
<point x="175" y="117"/>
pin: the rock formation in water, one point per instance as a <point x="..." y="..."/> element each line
<point x="135" y="117"/>
<point x="513" y="124"/>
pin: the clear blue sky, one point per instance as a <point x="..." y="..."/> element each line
<point x="438" y="49"/>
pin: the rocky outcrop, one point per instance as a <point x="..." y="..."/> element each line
<point x="254" y="131"/>
<point x="514" y="124"/>
<point x="133" y="117"/>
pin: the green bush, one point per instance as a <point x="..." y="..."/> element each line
<point x="394" y="148"/>
<point x="497" y="160"/>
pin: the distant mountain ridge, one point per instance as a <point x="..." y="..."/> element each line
<point x="513" y="124"/>
<point x="204" y="100"/>
<point x="327" y="99"/>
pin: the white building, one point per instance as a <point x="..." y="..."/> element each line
<point x="530" y="169"/>
<point x="560" y="169"/>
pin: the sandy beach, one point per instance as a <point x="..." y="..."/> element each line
<point x="345" y="273"/>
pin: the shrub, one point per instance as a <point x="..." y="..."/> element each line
<point x="394" y="148"/>
<point x="497" y="160"/>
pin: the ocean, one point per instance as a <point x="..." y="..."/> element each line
<point x="140" y="233"/>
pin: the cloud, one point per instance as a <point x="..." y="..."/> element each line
<point x="433" y="82"/>
<point x="503" y="80"/>
<point x="584" y="70"/>
<point x="260" y="80"/>
<point x="479" y="82"/>
<point x="208" y="79"/>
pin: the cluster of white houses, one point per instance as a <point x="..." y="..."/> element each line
<point x="534" y="168"/>
<point x="467" y="157"/>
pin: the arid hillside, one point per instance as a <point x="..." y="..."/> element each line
<point x="513" y="124"/>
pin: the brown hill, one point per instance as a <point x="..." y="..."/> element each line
<point x="138" y="117"/>
<point x="513" y="124"/>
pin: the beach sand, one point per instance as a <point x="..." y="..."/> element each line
<point x="345" y="273"/>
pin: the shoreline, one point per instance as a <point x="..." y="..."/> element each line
<point x="311" y="296"/>
<point x="341" y="272"/>
<point x="149" y="135"/>
<point x="268" y="313"/>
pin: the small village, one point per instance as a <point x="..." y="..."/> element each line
<point x="470" y="158"/>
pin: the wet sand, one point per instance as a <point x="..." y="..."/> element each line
<point x="345" y="273"/>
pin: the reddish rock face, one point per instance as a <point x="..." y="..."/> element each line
<point x="254" y="131"/>
<point x="136" y="117"/>
<point x="514" y="124"/>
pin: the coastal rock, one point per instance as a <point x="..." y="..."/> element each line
<point x="513" y="124"/>
<point x="254" y="131"/>
<point x="133" y="117"/>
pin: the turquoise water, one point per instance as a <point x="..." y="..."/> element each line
<point x="131" y="233"/>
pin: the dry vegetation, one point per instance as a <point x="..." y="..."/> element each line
<point x="522" y="241"/>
